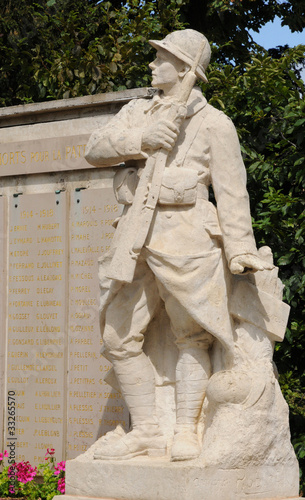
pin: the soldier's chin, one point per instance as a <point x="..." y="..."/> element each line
<point x="156" y="86"/>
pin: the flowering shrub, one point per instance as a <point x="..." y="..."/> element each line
<point x="21" y="480"/>
<point x="24" y="471"/>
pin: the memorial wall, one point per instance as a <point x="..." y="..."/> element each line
<point x="56" y="215"/>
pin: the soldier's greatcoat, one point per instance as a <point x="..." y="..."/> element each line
<point x="189" y="242"/>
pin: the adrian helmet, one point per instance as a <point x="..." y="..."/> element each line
<point x="184" y="45"/>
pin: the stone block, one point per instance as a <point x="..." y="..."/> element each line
<point x="157" y="478"/>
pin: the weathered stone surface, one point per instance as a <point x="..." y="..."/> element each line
<point x="53" y="252"/>
<point x="150" y="479"/>
<point x="172" y="246"/>
<point x="2" y="302"/>
<point x="43" y="155"/>
<point x="92" y="405"/>
<point x="63" y="109"/>
<point x="51" y="169"/>
<point x="36" y="321"/>
<point x="72" y="497"/>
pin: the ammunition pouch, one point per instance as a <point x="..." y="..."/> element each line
<point x="125" y="183"/>
<point x="178" y="187"/>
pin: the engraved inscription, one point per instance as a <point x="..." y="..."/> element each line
<point x="36" y="319"/>
<point x="60" y="153"/>
<point x="2" y="302"/>
<point x="89" y="412"/>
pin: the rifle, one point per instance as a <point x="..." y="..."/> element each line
<point x="134" y="232"/>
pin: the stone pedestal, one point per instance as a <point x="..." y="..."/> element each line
<point x="156" y="478"/>
<point x="72" y="497"/>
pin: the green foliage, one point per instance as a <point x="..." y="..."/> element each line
<point x="4" y="482"/>
<point x="47" y="488"/>
<point x="71" y="48"/>
<point x="53" y="49"/>
<point x="227" y="22"/>
<point x="41" y="483"/>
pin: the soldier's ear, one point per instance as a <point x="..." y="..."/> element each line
<point x="185" y="69"/>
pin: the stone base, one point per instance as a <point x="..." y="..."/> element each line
<point x="72" y="497"/>
<point x="156" y="478"/>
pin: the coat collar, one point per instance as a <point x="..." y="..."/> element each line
<point x="195" y="102"/>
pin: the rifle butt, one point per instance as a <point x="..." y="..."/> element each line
<point x="123" y="265"/>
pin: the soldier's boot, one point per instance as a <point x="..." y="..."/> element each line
<point x="192" y="374"/>
<point x="113" y="435"/>
<point x="137" y="382"/>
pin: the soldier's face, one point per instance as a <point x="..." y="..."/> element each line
<point x="165" y="70"/>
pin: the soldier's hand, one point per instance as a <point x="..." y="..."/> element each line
<point x="162" y="134"/>
<point x="248" y="263"/>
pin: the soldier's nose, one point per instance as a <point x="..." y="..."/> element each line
<point x="152" y="65"/>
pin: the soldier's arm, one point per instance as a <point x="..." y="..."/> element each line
<point x="229" y="183"/>
<point x="119" y="140"/>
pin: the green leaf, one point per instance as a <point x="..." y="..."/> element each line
<point x="285" y="259"/>
<point x="113" y="67"/>
<point x="299" y="122"/>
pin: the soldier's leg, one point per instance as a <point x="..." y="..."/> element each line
<point x="192" y="374"/>
<point x="126" y="319"/>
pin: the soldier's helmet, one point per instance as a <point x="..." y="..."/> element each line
<point x="184" y="45"/>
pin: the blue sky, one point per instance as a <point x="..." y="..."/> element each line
<point x="273" y="34"/>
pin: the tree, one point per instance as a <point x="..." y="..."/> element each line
<point x="227" y="22"/>
<point x="71" y="48"/>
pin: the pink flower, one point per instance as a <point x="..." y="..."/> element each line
<point x="61" y="485"/>
<point x="11" y="471"/>
<point x="25" y="472"/>
<point x="2" y="455"/>
<point x="61" y="466"/>
<point x="51" y="453"/>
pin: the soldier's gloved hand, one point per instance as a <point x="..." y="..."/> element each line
<point x="248" y="263"/>
<point x="161" y="134"/>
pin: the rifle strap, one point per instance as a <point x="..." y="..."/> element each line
<point x="197" y="120"/>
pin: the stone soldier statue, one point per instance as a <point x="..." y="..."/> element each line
<point x="189" y="250"/>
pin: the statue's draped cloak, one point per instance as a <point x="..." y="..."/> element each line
<point x="187" y="247"/>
